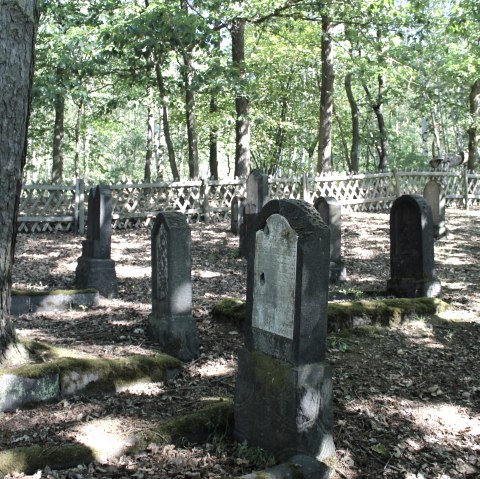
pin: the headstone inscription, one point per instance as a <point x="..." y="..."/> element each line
<point x="283" y="397"/>
<point x="331" y="212"/>
<point x="171" y="322"/>
<point x="95" y="268"/>
<point x="257" y="196"/>
<point x="434" y="195"/>
<point x="236" y="214"/>
<point x="411" y="249"/>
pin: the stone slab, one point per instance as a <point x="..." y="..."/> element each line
<point x="98" y="274"/>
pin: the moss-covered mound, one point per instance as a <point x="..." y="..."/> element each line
<point x="352" y="313"/>
<point x="216" y="418"/>
<point x="53" y="292"/>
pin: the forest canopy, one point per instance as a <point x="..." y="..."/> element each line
<point x="175" y="89"/>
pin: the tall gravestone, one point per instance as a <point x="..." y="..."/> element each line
<point x="434" y="195"/>
<point x="257" y="196"/>
<point x="411" y="249"/>
<point x="236" y="214"/>
<point x="283" y="397"/>
<point x="331" y="212"/>
<point x="171" y="322"/>
<point x="95" y="268"/>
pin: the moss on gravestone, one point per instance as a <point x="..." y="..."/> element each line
<point x="55" y="292"/>
<point x="346" y="314"/>
<point x="30" y="459"/>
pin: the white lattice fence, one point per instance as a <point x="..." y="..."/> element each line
<point x="472" y="188"/>
<point x="219" y="195"/>
<point x="373" y="192"/>
<point x="285" y="188"/>
<point x="46" y="208"/>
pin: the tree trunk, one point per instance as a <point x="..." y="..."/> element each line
<point x="147" y="176"/>
<point x="378" y="110"/>
<point x="18" y="27"/>
<point x="474" y="100"/>
<point x="165" y="123"/>
<point x="213" y="141"/>
<point x="280" y="134"/>
<point x="242" y="124"/>
<point x="324" y="162"/>
<point x="78" y="127"/>
<point x="58" y="133"/>
<point x="355" y="146"/>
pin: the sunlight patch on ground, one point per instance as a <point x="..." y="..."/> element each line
<point x="143" y="388"/>
<point x="107" y="437"/>
<point x="132" y="271"/>
<point x="215" y="368"/>
<point x="452" y="419"/>
<point x="207" y="274"/>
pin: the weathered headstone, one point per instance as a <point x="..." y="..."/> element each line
<point x="257" y="196"/>
<point x="331" y="212"/>
<point x="171" y="320"/>
<point x="95" y="268"/>
<point x="434" y="194"/>
<point x="236" y="214"/>
<point x="411" y="249"/>
<point x="283" y="398"/>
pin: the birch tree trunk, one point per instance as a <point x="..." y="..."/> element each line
<point x="18" y="27"/>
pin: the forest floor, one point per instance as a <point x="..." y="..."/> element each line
<point x="406" y="398"/>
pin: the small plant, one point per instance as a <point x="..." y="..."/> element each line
<point x="256" y="456"/>
<point x="340" y="344"/>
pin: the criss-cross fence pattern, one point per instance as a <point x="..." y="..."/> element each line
<point x="62" y="207"/>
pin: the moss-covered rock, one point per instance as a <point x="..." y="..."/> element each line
<point x="54" y="292"/>
<point x="216" y="418"/>
<point x="73" y="375"/>
<point x="347" y="314"/>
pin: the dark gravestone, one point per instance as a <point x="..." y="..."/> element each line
<point x="236" y="217"/>
<point x="171" y="321"/>
<point x="331" y="212"/>
<point x="434" y="195"/>
<point x="95" y="268"/>
<point x="257" y="196"/>
<point x="283" y="398"/>
<point x="411" y="249"/>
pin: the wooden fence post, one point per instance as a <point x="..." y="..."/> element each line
<point x="205" y="191"/>
<point x="79" y="213"/>
<point x="396" y="182"/>
<point x="465" y="185"/>
<point x="305" y="188"/>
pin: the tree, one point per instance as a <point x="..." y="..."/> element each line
<point x="18" y="28"/>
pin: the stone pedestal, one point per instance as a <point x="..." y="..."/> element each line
<point x="171" y="322"/>
<point x="284" y="408"/>
<point x="283" y="398"/>
<point x="97" y="273"/>
<point x="412" y="257"/>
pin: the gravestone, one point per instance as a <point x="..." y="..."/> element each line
<point x="236" y="216"/>
<point x="171" y="322"/>
<point x="95" y="268"/>
<point x="434" y="194"/>
<point x="257" y="196"/>
<point x="283" y="397"/>
<point x="411" y="249"/>
<point x="331" y="212"/>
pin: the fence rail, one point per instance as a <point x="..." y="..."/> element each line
<point x="63" y="207"/>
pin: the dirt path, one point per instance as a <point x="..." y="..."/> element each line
<point x="406" y="400"/>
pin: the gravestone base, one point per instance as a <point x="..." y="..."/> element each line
<point x="177" y="335"/>
<point x="282" y="408"/>
<point x="97" y="273"/>
<point x="338" y="272"/>
<point x="414" y="288"/>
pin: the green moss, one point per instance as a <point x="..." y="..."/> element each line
<point x="55" y="292"/>
<point x="230" y="309"/>
<point x="273" y="373"/>
<point x="32" y="458"/>
<point x="342" y="314"/>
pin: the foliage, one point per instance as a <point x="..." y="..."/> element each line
<point x="100" y="57"/>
